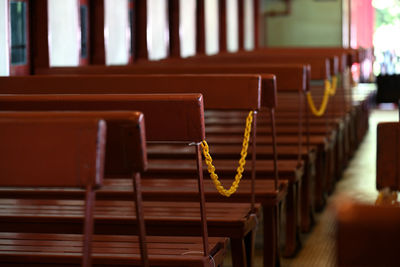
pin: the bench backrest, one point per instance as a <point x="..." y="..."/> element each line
<point x="219" y="91"/>
<point x="388" y="156"/>
<point x="170" y="118"/>
<point x="322" y="67"/>
<point x="351" y="55"/>
<point x="298" y="73"/>
<point x="126" y="142"/>
<point x="67" y="152"/>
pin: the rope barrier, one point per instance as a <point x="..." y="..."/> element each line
<point x="334" y="85"/>
<point x="242" y="161"/>
<point x="330" y="90"/>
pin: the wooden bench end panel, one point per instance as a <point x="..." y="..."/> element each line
<point x="169" y="118"/>
<point x="268" y="91"/>
<point x="387" y="158"/>
<point x="367" y="235"/>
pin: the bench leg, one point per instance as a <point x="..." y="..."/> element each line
<point x="320" y="178"/>
<point x="292" y="242"/>
<point x="306" y="203"/>
<point x="346" y="145"/>
<point x="250" y="241"/>
<point x="330" y="169"/>
<point x="271" y="236"/>
<point x="238" y="252"/>
<point x="339" y="157"/>
<point x="333" y="166"/>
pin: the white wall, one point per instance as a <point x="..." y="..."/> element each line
<point x="64" y="32"/>
<point x="117" y="34"/>
<point x="187" y="27"/>
<point x="211" y="27"/>
<point x="248" y="24"/>
<point x="4" y="44"/>
<point x="311" y="23"/>
<point x="157" y="29"/>
<point x="232" y="25"/>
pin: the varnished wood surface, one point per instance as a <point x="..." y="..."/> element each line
<point x="159" y="189"/>
<point x="162" y="218"/>
<point x="288" y="169"/>
<point x="108" y="250"/>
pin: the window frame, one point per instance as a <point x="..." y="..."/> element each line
<point x="20" y="69"/>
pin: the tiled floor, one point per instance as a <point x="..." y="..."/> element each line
<point x="358" y="182"/>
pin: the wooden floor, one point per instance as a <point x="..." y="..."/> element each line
<point x="358" y="182"/>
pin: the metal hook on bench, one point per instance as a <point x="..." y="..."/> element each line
<point x="200" y="252"/>
<point x="212" y="259"/>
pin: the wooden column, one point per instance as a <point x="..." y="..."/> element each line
<point x="140" y="21"/>
<point x="131" y="14"/>
<point x="222" y="26"/>
<point x="83" y="61"/>
<point x="39" y="35"/>
<point x="174" y="37"/>
<point x="257" y="24"/>
<point x="97" y="51"/>
<point x="25" y="68"/>
<point x="241" y="24"/>
<point x="200" y="28"/>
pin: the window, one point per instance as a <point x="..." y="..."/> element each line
<point x="187" y="27"/>
<point x="132" y="27"/>
<point x="117" y="32"/>
<point x="18" y="33"/>
<point x="249" y="25"/>
<point x="211" y="24"/>
<point x="64" y="35"/>
<point x="4" y="44"/>
<point x="157" y="29"/>
<point x="232" y="25"/>
<point x="84" y="31"/>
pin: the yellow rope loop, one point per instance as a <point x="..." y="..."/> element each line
<point x="333" y="85"/>
<point x="318" y="112"/>
<point x="240" y="168"/>
<point x="330" y="90"/>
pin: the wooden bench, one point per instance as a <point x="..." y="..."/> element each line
<point x="125" y="102"/>
<point x="296" y="72"/>
<point x="301" y="71"/>
<point x="72" y="148"/>
<point x="323" y="67"/>
<point x="216" y="88"/>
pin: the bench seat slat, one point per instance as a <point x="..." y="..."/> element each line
<point x="119" y="249"/>
<point x="289" y="169"/>
<point x="155" y="189"/>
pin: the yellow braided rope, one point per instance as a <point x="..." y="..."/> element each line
<point x="330" y="90"/>
<point x="242" y="161"/>
<point x="334" y="85"/>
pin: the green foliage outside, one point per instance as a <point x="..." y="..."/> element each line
<point x="388" y="16"/>
<point x="386" y="36"/>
